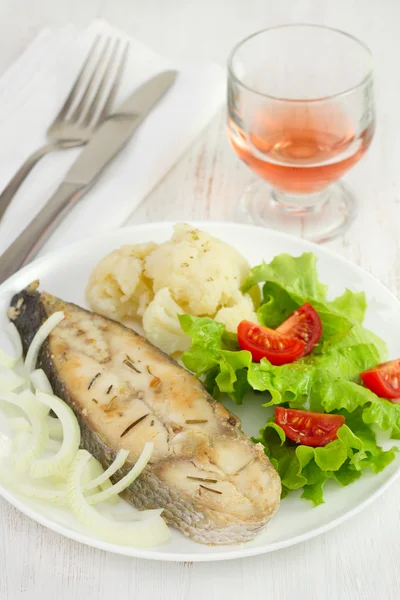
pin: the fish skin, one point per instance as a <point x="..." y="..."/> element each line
<point x="206" y="450"/>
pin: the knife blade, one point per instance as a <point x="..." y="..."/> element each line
<point x="106" y="143"/>
<point x="115" y="132"/>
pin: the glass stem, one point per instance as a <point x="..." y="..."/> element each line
<point x="300" y="203"/>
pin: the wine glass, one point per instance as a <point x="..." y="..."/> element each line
<point x="300" y="114"/>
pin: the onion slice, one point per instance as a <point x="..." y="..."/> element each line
<point x="94" y="471"/>
<point x="19" y="424"/>
<point x="54" y="446"/>
<point x="55" y="428"/>
<point x="140" y="515"/>
<point x="5" y="446"/>
<point x="105" y="486"/>
<point x="35" y="407"/>
<point x="40" y="382"/>
<point x="37" y="439"/>
<point x="57" y="464"/>
<point x="119" y="461"/>
<point x="150" y="532"/>
<point x="57" y="494"/>
<point x="9" y="380"/>
<point x="126" y="481"/>
<point x="6" y="360"/>
<point x="41" y="335"/>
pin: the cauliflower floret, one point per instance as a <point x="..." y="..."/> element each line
<point x="161" y="325"/>
<point x="201" y="272"/>
<point x="117" y="287"/>
<point x="231" y="316"/>
<point x="191" y="273"/>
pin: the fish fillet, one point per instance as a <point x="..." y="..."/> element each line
<point x="212" y="481"/>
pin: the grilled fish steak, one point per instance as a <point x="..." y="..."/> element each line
<point x="212" y="481"/>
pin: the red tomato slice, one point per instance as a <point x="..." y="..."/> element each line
<point x="305" y="324"/>
<point x="267" y="343"/>
<point x="308" y="428"/>
<point x="384" y="380"/>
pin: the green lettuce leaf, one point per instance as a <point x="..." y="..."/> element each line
<point x="276" y="306"/>
<point x="292" y="281"/>
<point x="351" y="304"/>
<point x="224" y="370"/>
<point x="297" y="275"/>
<point x="360" y="335"/>
<point x="383" y="414"/>
<point x="230" y="364"/>
<point x="320" y="383"/>
<point x="325" y="381"/>
<point x="310" y="468"/>
<point x="205" y="351"/>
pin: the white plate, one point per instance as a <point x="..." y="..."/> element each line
<point x="65" y="274"/>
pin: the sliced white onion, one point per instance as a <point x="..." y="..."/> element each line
<point x="38" y="437"/>
<point x="93" y="471"/>
<point x="119" y="461"/>
<point x="57" y="494"/>
<point x="105" y="486"/>
<point x="15" y="338"/>
<point x="57" y="479"/>
<point x="5" y="445"/>
<point x="9" y="380"/>
<point x="139" y="515"/>
<point x="126" y="481"/>
<point x="95" y="477"/>
<point x="55" y="428"/>
<point x="41" y="382"/>
<point x="44" y="467"/>
<point x="41" y="335"/>
<point x="150" y="532"/>
<point x="5" y="359"/>
<point x="35" y="407"/>
<point x="53" y="446"/>
<point x="19" y="424"/>
<point x="21" y="441"/>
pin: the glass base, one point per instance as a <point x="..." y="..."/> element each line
<point x="317" y="217"/>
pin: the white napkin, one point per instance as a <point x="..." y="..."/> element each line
<point x="33" y="90"/>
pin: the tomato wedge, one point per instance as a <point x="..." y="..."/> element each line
<point x="305" y="324"/>
<point x="384" y="380"/>
<point x="267" y="343"/>
<point x="308" y="428"/>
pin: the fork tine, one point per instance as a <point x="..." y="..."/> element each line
<point x="73" y="93"/>
<point x="103" y="83"/>
<point x="114" y="88"/>
<point x="76" y="115"/>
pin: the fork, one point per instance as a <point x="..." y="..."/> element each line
<point x="83" y="110"/>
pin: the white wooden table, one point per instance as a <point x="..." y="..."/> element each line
<point x="358" y="560"/>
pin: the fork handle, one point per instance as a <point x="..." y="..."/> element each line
<point x="31" y="240"/>
<point x="14" y="184"/>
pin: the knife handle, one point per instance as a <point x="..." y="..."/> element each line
<point x="7" y="195"/>
<point x="31" y="240"/>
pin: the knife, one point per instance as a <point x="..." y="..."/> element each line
<point x="106" y="143"/>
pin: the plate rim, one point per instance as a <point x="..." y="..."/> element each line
<point x="155" y="554"/>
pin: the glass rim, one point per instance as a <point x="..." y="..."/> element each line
<point x="366" y="78"/>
